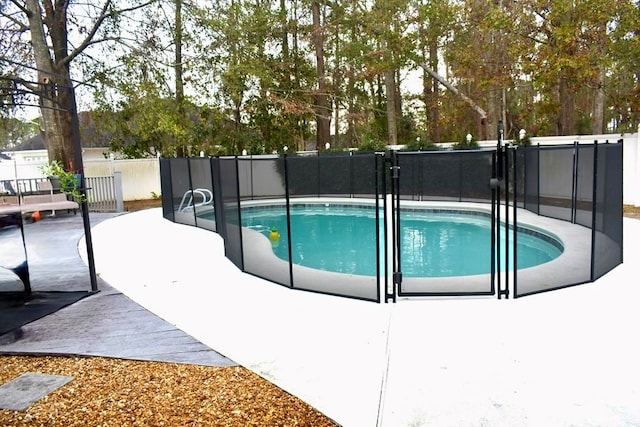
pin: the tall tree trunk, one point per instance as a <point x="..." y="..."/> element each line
<point x="337" y="82"/>
<point x="598" y="116"/>
<point x="566" y="116"/>
<point x="493" y="112"/>
<point x="597" y="126"/>
<point x="351" y="91"/>
<point x="302" y="123"/>
<point x="390" y="87"/>
<point x="237" y="93"/>
<point x="351" y="120"/>
<point x="177" y="67"/>
<point x="482" y="115"/>
<point x="390" y="90"/>
<point x="285" y="32"/>
<point x="397" y="100"/>
<point x="434" y="102"/>
<point x="54" y="80"/>
<point x="566" y="86"/>
<point x="323" y="113"/>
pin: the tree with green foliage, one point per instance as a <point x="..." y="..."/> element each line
<point x="42" y="39"/>
<point x="143" y="83"/>
<point x="433" y="22"/>
<point x="622" y="81"/>
<point x="258" y="75"/>
<point x="568" y="56"/>
<point x="14" y="131"/>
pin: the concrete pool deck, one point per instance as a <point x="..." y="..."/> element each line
<point x="568" y="357"/>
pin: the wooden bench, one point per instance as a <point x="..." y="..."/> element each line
<point x="9" y="204"/>
<point x="49" y="201"/>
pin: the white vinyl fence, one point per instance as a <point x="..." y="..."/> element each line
<point x="104" y="193"/>
<point x="141" y="177"/>
<point x="108" y="182"/>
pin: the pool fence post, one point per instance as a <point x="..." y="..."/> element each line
<point x="507" y="171"/>
<point x="288" y="208"/>
<point x="515" y="221"/>
<point x="193" y="200"/>
<point x="499" y="183"/>
<point x="493" y="184"/>
<point x="574" y="182"/>
<point x="395" y="225"/>
<point x="79" y="166"/>
<point x="594" y="207"/>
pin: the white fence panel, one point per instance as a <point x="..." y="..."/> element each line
<point x="631" y="170"/>
<point x="105" y="193"/>
<point x="10" y="170"/>
<point x="140" y="177"/>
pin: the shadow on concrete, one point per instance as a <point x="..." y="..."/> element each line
<point x="19" y="308"/>
<point x="40" y="268"/>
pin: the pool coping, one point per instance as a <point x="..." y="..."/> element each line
<point x="573" y="266"/>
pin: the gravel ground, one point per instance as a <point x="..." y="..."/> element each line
<point x="114" y="392"/>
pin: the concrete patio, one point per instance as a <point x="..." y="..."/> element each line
<point x="568" y="357"/>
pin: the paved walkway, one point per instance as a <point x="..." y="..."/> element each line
<point x="568" y="357"/>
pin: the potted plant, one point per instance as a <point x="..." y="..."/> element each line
<point x="66" y="181"/>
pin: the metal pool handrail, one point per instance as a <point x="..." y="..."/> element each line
<point x="205" y="193"/>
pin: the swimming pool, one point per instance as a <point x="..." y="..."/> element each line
<point x="341" y="238"/>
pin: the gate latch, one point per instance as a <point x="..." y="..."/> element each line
<point x="397" y="277"/>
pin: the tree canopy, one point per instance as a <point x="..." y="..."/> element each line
<point x="186" y="77"/>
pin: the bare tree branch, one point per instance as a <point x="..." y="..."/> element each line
<point x="533" y="39"/>
<point x="30" y="85"/>
<point x="21" y="25"/>
<point x="104" y="14"/>
<point x="453" y="89"/>
<point x="21" y="7"/>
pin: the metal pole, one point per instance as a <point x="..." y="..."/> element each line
<point x="288" y="208"/>
<point x="594" y="207"/>
<point x="493" y="184"/>
<point x="84" y="207"/>
<point x="395" y="214"/>
<point x="507" y="171"/>
<point x="377" y="195"/>
<point x="499" y="176"/>
<point x="515" y="222"/>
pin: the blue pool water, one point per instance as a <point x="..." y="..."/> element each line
<point x="343" y="239"/>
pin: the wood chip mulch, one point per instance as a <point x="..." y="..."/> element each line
<point x="631" y="211"/>
<point x="113" y="392"/>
